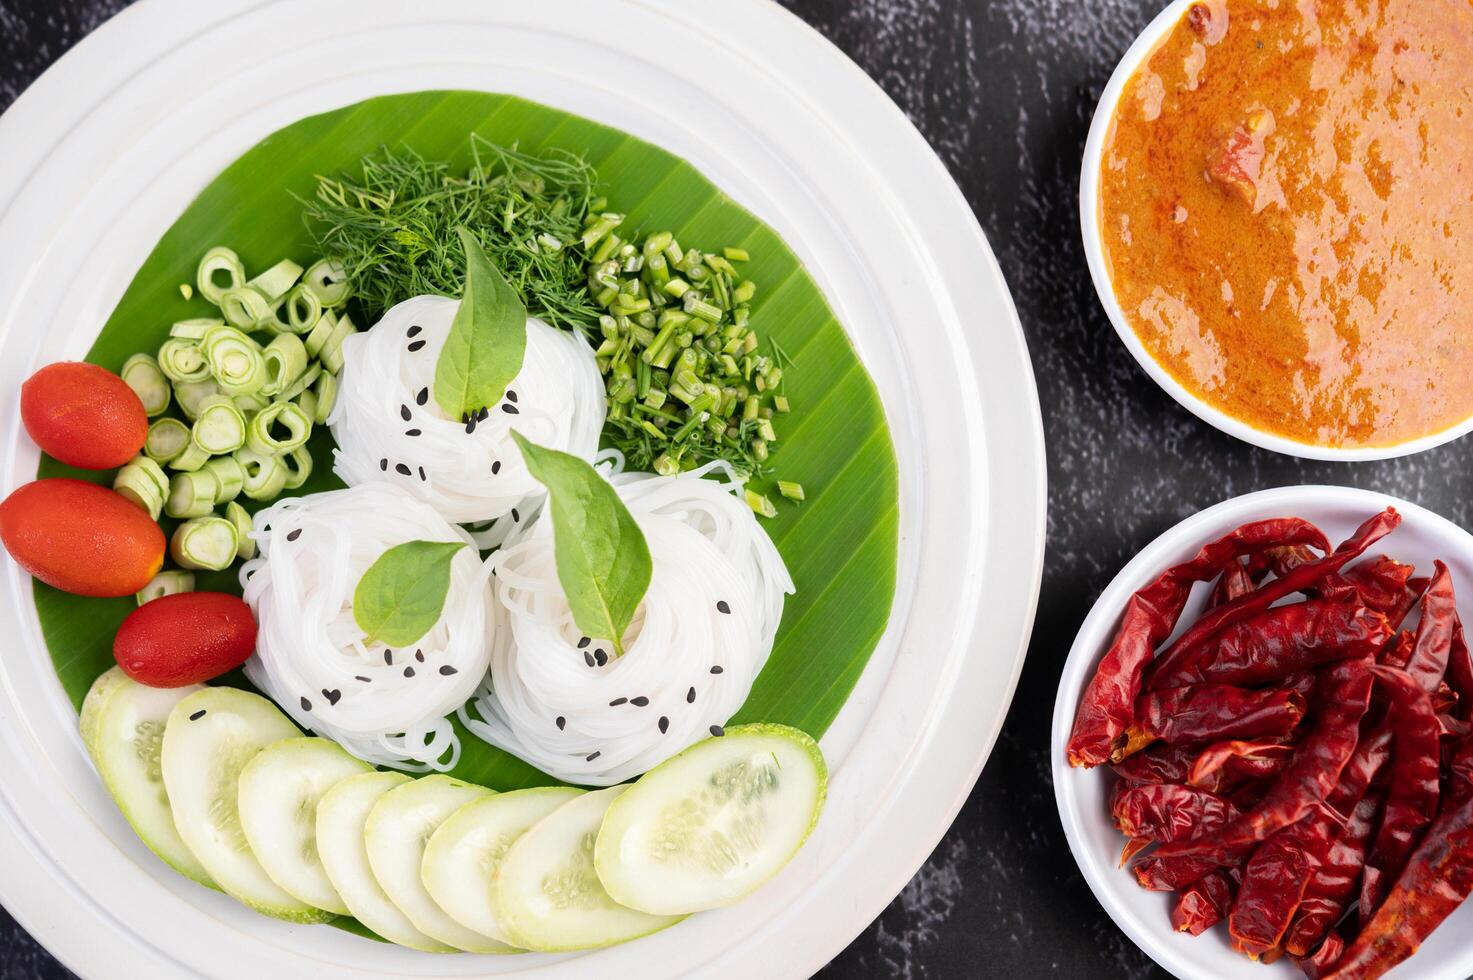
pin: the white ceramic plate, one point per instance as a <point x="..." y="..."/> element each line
<point x="107" y="148"/>
<point x="1089" y="224"/>
<point x="1083" y="795"/>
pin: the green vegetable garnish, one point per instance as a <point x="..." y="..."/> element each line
<point x="400" y="597"/>
<point x="603" y="562"/>
<point x="487" y="341"/>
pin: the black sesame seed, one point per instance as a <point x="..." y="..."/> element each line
<point x="414" y="330"/>
<point x="416" y="346"/>
<point x="422" y="397"/>
<point x="496" y="467"/>
<point x="419" y="655"/>
<point x="664" y="724"/>
<point x="618" y="701"/>
<point x="511" y="396"/>
<point x="401" y="469"/>
<point x="717" y="670"/>
<point x="422" y="475"/>
<point x="723" y="607"/>
<point x="366" y="680"/>
<point x="389" y="657"/>
<point x="690" y="696"/>
<point x="411" y="432"/>
<point x="446" y="670"/>
<point x="718" y="731"/>
<point x="333" y="697"/>
<point x="405" y="413"/>
<point x="588" y="658"/>
<point x="197" y="715"/>
<point x="583" y="642"/>
<point x="640" y="701"/>
<point x="592" y="756"/>
<point x="383" y="464"/>
<point x="510" y="409"/>
<point x="514" y="515"/>
<point x="408" y="671"/>
<point x="470" y="426"/>
<point x="601" y="657"/>
<point x="483" y="414"/>
<point x="306" y="705"/>
<point x="293" y="535"/>
<point x="561" y="722"/>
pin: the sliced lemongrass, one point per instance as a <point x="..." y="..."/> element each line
<point x="182" y="360"/>
<point x="171" y="582"/>
<point x="274" y="283"/>
<point x="166" y="439"/>
<point x="303" y="307"/>
<point x="196" y="328"/>
<point x="327" y="396"/>
<point x="190" y="394"/>
<point x="216" y="262"/>
<point x="191" y="459"/>
<point x="245" y="545"/>
<point x="236" y="361"/>
<point x="321" y="330"/>
<point x="204" y="543"/>
<point x="144" y="483"/>
<point x="265" y="474"/>
<point x="261" y="433"/>
<point x="298" y="465"/>
<point x="229" y="477"/>
<point x="244" y="307"/>
<point x="760" y="505"/>
<point x="303" y="381"/>
<point x="148" y="381"/>
<point x="192" y="494"/>
<point x="220" y="426"/>
<point x="286" y="360"/>
<point x="331" y="354"/>
<point x="328" y="281"/>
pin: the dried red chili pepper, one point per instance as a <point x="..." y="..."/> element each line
<point x="1233" y="582"/>
<point x="1332" y="886"/>
<point x="1213" y="711"/>
<point x="1341" y="698"/>
<point x="1398" y="652"/>
<point x="1436" y="880"/>
<point x="1279" y="642"/>
<point x="1380" y="583"/>
<point x="1233" y="762"/>
<point x="1107" y="707"/>
<point x="1204" y="903"/>
<point x="1416" y="774"/>
<point x="1166" y="812"/>
<point x="1161" y="763"/>
<point x="1190" y="644"/>
<point x="1460" y="672"/>
<point x="1323" y="960"/>
<point x="1429" y="657"/>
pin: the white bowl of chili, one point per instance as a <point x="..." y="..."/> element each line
<point x="1361" y="380"/>
<point x="1083" y="795"/>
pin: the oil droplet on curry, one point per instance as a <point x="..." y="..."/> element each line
<point x="1287" y="209"/>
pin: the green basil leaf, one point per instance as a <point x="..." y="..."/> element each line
<point x="399" y="598"/>
<point x="603" y="562"/>
<point x="487" y="341"/>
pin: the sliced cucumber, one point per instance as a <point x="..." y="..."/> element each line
<point x="123" y="729"/>
<point x="396" y="833"/>
<point x="462" y="856"/>
<point x="546" y="895"/>
<point x="341" y="814"/>
<point x="209" y="738"/>
<point x="707" y="827"/>
<point x="279" y="792"/>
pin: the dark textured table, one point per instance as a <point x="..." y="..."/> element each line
<point x="1004" y="90"/>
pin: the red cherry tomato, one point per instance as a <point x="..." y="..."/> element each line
<point x="83" y="415"/>
<point x="81" y="538"/>
<point x="186" y="638"/>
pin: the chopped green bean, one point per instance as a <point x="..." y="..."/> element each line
<point x="298" y="465"/>
<point x="274" y="283"/>
<point x="191" y="394"/>
<point x="265" y="476"/>
<point x="328" y="281"/>
<point x="235" y="361"/>
<point x="182" y="360"/>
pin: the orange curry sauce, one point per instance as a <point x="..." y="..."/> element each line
<point x="1287" y="211"/>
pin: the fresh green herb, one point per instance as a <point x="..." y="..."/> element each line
<point x="603" y="562"/>
<point x="393" y="225"/>
<point x="399" y="599"/>
<point x="487" y="341"/>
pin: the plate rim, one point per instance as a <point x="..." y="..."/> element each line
<point x="952" y="780"/>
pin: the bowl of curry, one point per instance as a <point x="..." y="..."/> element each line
<point x="1277" y="209"/>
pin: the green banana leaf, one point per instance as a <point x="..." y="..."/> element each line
<point x="840" y="545"/>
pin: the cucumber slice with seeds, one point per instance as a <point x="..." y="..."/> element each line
<point x="546" y="894"/>
<point x="704" y="829"/>
<point x="209" y="738"/>
<point x="123" y="727"/>
<point x="279" y="792"/>
<point x="463" y="856"/>
<point x="341" y="815"/>
<point x="396" y="833"/>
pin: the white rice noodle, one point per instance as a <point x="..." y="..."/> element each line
<point x="388" y="426"/>
<point x="566" y="705"/>
<point x="386" y="706"/>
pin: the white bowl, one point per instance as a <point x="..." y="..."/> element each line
<point x="1094" y="248"/>
<point x="1082" y="794"/>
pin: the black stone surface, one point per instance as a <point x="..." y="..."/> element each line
<point x="1004" y="90"/>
